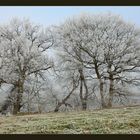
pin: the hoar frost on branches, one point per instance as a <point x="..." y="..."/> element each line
<point x="105" y="45"/>
<point x="23" y="54"/>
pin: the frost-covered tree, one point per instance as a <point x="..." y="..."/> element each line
<point x="67" y="81"/>
<point x="23" y="54"/>
<point x="70" y="62"/>
<point x="106" y="45"/>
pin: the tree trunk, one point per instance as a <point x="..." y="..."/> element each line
<point x="103" y="105"/>
<point x="101" y="86"/>
<point x="81" y="92"/>
<point x="17" y="104"/>
<point x="110" y="92"/>
<point x="83" y="97"/>
<point x="57" y="107"/>
<point x="39" y="109"/>
<point x="84" y="104"/>
<point x="28" y="104"/>
<point x="65" y="99"/>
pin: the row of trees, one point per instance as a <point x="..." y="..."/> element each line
<point x="95" y="58"/>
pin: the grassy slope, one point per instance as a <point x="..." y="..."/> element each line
<point x="125" y="120"/>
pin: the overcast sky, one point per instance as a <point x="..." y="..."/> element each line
<point x="48" y="15"/>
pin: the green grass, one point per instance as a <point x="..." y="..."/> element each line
<point x="107" y="121"/>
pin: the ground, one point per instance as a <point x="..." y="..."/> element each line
<point x="106" y="121"/>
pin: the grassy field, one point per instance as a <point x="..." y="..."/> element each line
<point x="107" y="121"/>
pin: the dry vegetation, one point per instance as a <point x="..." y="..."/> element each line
<point x="120" y="121"/>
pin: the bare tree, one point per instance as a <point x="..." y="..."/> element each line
<point x="69" y="80"/>
<point x="24" y="48"/>
<point x="76" y="37"/>
<point x="105" y="44"/>
<point x="121" y="52"/>
<point x="64" y="100"/>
